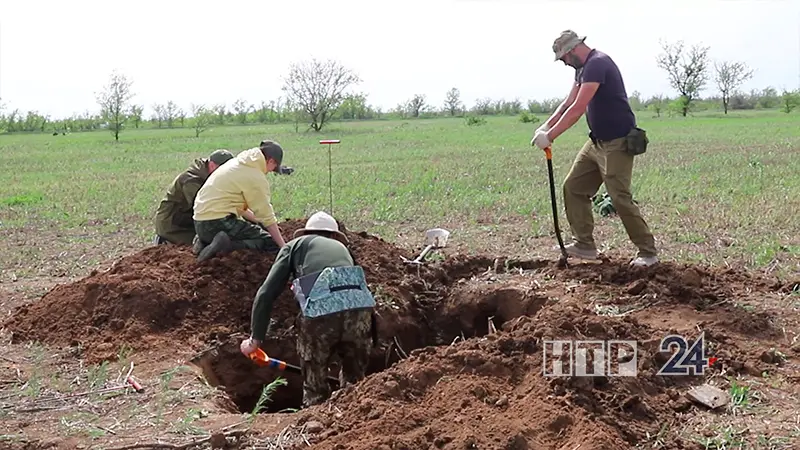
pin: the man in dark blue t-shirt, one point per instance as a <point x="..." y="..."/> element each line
<point x="598" y="91"/>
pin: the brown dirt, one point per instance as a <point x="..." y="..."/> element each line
<point x="491" y="392"/>
<point x="162" y="293"/>
<point x="464" y="384"/>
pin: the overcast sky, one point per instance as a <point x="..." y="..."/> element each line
<point x="54" y="55"/>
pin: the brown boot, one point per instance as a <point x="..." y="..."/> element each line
<point x="219" y="246"/>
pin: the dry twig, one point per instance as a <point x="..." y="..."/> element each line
<point x="402" y="353"/>
<point x="288" y="436"/>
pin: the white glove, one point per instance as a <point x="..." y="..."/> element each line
<point x="248" y="346"/>
<point x="542" y="129"/>
<point x="540" y="140"/>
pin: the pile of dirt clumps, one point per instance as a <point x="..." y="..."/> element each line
<point x="162" y="295"/>
<point x="474" y="327"/>
<point x="492" y="391"/>
<point x="681" y="283"/>
<point x="162" y="292"/>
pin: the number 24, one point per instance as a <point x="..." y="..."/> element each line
<point x="683" y="359"/>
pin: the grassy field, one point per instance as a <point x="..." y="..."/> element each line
<point x="717" y="190"/>
<point x="714" y="189"/>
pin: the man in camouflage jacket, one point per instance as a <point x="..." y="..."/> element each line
<point x="337" y="308"/>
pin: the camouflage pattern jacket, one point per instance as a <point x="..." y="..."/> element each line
<point x="330" y="279"/>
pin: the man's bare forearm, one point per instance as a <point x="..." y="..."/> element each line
<point x="563" y="107"/>
<point x="275" y="232"/>
<point x="248" y="215"/>
<point x="556" y="116"/>
<point x="567" y="120"/>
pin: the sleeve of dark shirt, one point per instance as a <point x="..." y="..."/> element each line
<point x="594" y="71"/>
<point x="269" y="291"/>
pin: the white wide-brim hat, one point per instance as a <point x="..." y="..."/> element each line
<point x="321" y="221"/>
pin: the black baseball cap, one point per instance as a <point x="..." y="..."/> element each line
<point x="220" y="156"/>
<point x="271" y="149"/>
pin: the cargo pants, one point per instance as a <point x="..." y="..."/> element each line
<point x="346" y="334"/>
<point x="596" y="163"/>
<point x="243" y="234"/>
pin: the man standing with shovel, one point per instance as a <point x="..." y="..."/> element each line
<point x="337" y="308"/>
<point x="607" y="156"/>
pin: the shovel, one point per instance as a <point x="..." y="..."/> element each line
<point x="262" y="360"/>
<point x="434" y="238"/>
<point x="562" y="261"/>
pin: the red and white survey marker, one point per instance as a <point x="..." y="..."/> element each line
<point x="330" y="169"/>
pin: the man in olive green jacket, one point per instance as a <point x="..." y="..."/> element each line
<point x="337" y="307"/>
<point x="173" y="219"/>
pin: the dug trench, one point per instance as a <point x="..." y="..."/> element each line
<point x="400" y="331"/>
<point x="161" y="295"/>
<point x="459" y="361"/>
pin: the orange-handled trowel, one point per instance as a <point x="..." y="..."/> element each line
<point x="261" y="359"/>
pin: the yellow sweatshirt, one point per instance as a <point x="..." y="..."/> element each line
<point x="235" y="186"/>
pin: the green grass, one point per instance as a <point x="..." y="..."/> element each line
<point x="712" y="187"/>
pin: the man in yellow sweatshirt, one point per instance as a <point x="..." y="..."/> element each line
<point x="236" y="191"/>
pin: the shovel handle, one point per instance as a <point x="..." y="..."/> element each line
<point x="267" y="362"/>
<point x="424" y="252"/>
<point x="261" y="359"/>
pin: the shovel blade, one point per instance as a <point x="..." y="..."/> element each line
<point x="436" y="237"/>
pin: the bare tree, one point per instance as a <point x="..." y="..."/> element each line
<point x="113" y="102"/>
<point x="729" y="76"/>
<point x="688" y="73"/>
<point x="158" y="113"/>
<point x="241" y="109"/>
<point x="202" y="118"/>
<point x="483" y="106"/>
<point x="317" y="88"/>
<point x="170" y="111"/>
<point x="452" y="101"/>
<point x="416" y="105"/>
<point x="136" y="114"/>
<point x="219" y="111"/>
<point x="180" y="114"/>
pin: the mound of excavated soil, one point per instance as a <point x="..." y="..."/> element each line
<point x="487" y="393"/>
<point x="162" y="292"/>
<point x="474" y="328"/>
<point x="490" y="392"/>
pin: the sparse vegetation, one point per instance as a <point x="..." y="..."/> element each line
<point x="696" y="187"/>
<point x="114" y="103"/>
<point x="687" y="71"/>
<point x="718" y="186"/>
<point x="729" y="76"/>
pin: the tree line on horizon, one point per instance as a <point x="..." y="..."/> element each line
<point x="315" y="94"/>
